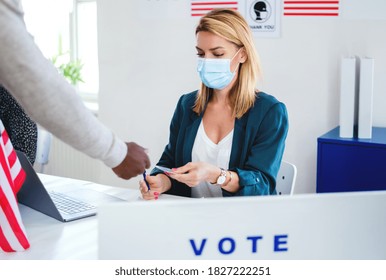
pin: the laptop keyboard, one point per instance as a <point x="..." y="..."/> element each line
<point x="68" y="204"/>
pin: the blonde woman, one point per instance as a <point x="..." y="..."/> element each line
<point x="227" y="138"/>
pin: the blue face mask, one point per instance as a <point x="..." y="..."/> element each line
<point x="215" y="72"/>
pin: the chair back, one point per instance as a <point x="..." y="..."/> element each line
<point x="286" y="177"/>
<point x="43" y="148"/>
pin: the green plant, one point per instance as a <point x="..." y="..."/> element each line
<point x="70" y="69"/>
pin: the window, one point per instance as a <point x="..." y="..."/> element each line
<point x="86" y="43"/>
<point x="68" y="27"/>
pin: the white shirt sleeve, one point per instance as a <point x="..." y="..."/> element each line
<point x="46" y="96"/>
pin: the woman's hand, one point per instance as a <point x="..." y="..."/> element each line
<point x="158" y="184"/>
<point x="194" y="173"/>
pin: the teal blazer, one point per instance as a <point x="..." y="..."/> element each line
<point x="257" y="147"/>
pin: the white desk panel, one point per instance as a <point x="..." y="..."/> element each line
<point x="51" y="239"/>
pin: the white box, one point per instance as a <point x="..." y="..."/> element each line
<point x="366" y="88"/>
<point x="348" y="97"/>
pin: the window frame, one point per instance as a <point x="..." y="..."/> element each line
<point x="90" y="99"/>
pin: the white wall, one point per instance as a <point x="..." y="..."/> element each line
<point x="147" y="62"/>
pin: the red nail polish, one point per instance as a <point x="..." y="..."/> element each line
<point x="156" y="193"/>
<point x="156" y="197"/>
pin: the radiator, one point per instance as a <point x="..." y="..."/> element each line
<point x="65" y="161"/>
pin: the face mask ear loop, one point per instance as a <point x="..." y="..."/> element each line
<point x="236" y="53"/>
<point x="237" y="63"/>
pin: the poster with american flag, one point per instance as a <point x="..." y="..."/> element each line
<point x="199" y="8"/>
<point x="311" y="8"/>
<point x="12" y="232"/>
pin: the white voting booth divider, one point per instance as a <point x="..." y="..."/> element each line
<point x="310" y="226"/>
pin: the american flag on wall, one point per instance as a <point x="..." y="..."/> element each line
<point x="311" y="8"/>
<point x="12" y="233"/>
<point x="199" y="8"/>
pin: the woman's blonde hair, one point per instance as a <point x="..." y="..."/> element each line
<point x="231" y="25"/>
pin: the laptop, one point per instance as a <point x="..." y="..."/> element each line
<point x="79" y="202"/>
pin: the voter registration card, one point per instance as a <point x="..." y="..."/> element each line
<point x="164" y="169"/>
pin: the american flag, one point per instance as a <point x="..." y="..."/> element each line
<point x="199" y="8"/>
<point x="12" y="233"/>
<point x="311" y="8"/>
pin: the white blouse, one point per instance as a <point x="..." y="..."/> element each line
<point x="217" y="154"/>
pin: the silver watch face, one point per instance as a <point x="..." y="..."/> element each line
<point x="221" y="180"/>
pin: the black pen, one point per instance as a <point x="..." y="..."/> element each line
<point x="144" y="178"/>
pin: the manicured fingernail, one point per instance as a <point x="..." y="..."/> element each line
<point x="156" y="197"/>
<point x="156" y="193"/>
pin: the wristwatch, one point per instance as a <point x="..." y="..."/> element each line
<point x="223" y="176"/>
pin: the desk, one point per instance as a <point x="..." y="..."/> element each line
<point x="51" y="239"/>
<point x="311" y="226"/>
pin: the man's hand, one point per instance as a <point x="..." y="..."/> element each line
<point x="135" y="162"/>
